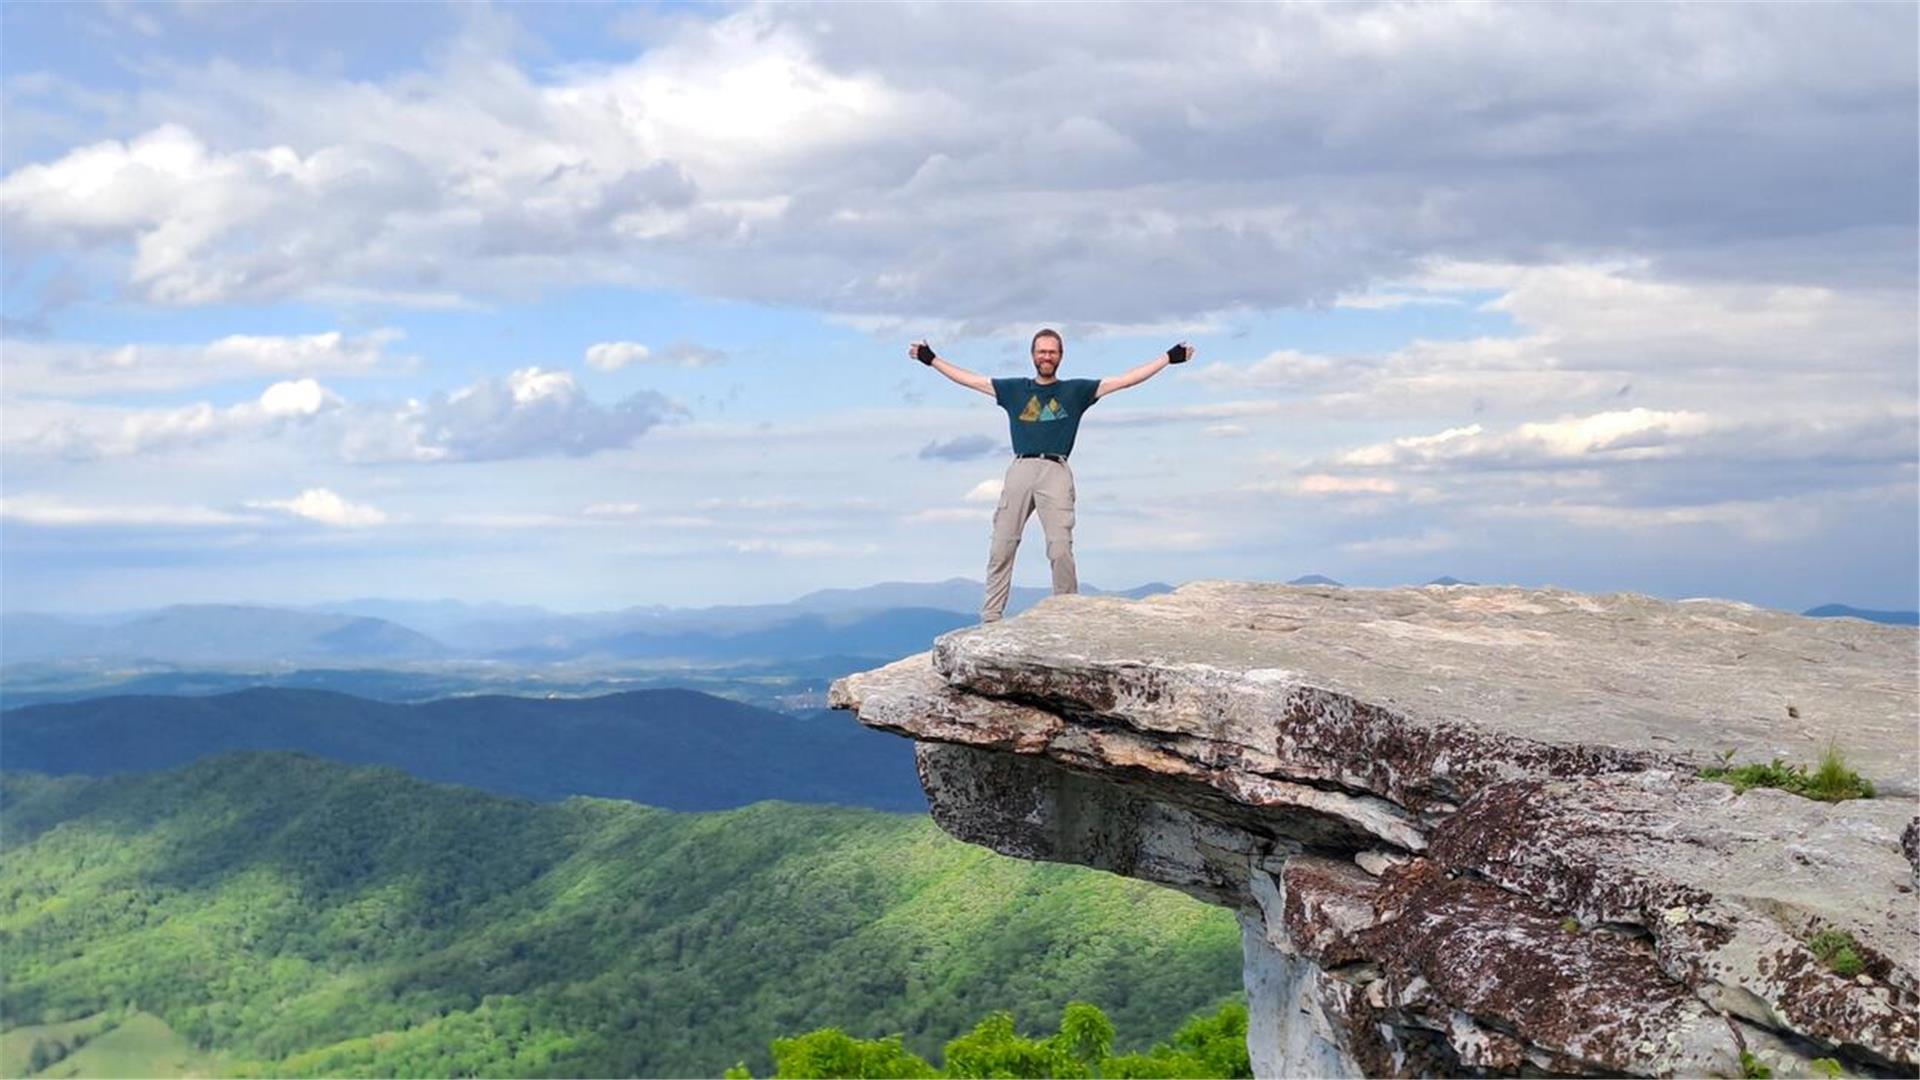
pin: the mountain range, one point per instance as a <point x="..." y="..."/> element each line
<point x="878" y="622"/>
<point x="678" y="749"/>
<point x="213" y="633"/>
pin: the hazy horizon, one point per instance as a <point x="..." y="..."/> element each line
<point x="594" y="307"/>
<point x="777" y="600"/>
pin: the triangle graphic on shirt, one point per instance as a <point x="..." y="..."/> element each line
<point x="1053" y="411"/>
<point x="1032" y="411"/>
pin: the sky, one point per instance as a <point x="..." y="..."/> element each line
<point x="591" y="306"/>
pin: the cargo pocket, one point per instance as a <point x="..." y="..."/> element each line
<point x="1003" y="508"/>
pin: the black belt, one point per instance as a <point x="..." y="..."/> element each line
<point x="1061" y="458"/>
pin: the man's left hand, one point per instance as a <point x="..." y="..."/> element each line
<point x="1181" y="353"/>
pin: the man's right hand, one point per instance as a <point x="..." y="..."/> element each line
<point x="922" y="352"/>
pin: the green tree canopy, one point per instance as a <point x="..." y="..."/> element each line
<point x="1206" y="1046"/>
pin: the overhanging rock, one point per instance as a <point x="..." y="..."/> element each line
<point x="1462" y="826"/>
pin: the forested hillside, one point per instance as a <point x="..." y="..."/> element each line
<point x="290" y="915"/>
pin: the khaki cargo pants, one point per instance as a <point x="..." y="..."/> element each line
<point x="1032" y="484"/>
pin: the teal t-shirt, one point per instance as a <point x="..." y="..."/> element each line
<point x="1044" y="418"/>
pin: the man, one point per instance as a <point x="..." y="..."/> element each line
<point x="1043" y="414"/>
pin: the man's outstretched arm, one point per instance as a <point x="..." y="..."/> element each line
<point x="1179" y="354"/>
<point x="923" y="352"/>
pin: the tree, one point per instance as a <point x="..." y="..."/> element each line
<point x="1206" y="1046"/>
<point x="830" y="1052"/>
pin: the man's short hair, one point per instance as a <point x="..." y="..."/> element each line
<point x="1048" y="332"/>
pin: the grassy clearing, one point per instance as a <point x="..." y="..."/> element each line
<point x="95" y="1046"/>
<point x="55" y="1040"/>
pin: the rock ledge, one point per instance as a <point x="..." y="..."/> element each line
<point x="1461" y="826"/>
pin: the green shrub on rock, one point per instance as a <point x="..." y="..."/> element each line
<point x="1830" y="781"/>
<point x="1838" y="950"/>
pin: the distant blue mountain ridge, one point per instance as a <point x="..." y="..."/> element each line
<point x="678" y="749"/>
<point x="884" y="620"/>
<point x="212" y="633"/>
<point x="1842" y="611"/>
<point x="1824" y="611"/>
<point x="889" y="619"/>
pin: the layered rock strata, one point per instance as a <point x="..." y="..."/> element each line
<point x="1463" y="827"/>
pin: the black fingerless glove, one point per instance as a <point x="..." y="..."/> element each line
<point x="924" y="354"/>
<point x="1177" y="354"/>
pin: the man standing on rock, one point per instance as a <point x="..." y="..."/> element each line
<point x="1044" y="415"/>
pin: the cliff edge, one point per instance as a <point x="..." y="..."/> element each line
<point x="1462" y="827"/>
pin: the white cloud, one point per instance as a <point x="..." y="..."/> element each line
<point x="86" y="433"/>
<point x="1325" y="484"/>
<point x="1605" y="336"/>
<point x="947" y="514"/>
<point x="73" y="369"/>
<point x="530" y="413"/>
<point x="615" y="509"/>
<point x="1631" y="430"/>
<point x="512" y="520"/>
<point x="770" y="154"/>
<point x="614" y="355"/>
<point x="1282" y="369"/>
<point x="1419" y="544"/>
<point x="692" y="355"/>
<point x="327" y="508"/>
<point x="133" y="16"/>
<point x="1410" y="447"/>
<point x="800" y="548"/>
<point x="1873" y="436"/>
<point x="653" y="516"/>
<point x="681" y="521"/>
<point x="983" y="496"/>
<point x="756" y="503"/>
<point x="1158" y="538"/>
<point x="987" y="490"/>
<point x="530" y="385"/>
<point x="1385" y="301"/>
<point x="1622" y="316"/>
<point x="303" y="397"/>
<point x="1762" y="520"/>
<point x="53" y="511"/>
<point x="1187" y="414"/>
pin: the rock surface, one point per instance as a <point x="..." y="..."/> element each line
<point x="1461" y="826"/>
